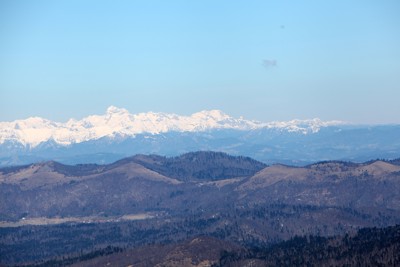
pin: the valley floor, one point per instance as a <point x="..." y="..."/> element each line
<point x="87" y="219"/>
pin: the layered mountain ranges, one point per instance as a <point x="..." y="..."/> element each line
<point x="150" y="199"/>
<point x="208" y="181"/>
<point x="77" y="188"/>
<point x="106" y="138"/>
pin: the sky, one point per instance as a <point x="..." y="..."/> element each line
<point x="263" y="60"/>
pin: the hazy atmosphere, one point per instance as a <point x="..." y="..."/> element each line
<point x="264" y="60"/>
<point x="199" y="133"/>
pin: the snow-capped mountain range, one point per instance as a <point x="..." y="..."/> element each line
<point x="119" y="122"/>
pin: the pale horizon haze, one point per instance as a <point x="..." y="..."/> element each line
<point x="263" y="60"/>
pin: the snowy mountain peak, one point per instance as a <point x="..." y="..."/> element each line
<point x="119" y="122"/>
<point x="211" y="114"/>
<point x="114" y="110"/>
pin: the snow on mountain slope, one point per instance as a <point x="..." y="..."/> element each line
<point x="119" y="122"/>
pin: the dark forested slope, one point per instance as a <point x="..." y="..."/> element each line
<point x="144" y="200"/>
<point x="367" y="247"/>
<point x="204" y="165"/>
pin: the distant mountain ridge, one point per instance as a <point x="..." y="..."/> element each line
<point x="104" y="139"/>
<point x="118" y="122"/>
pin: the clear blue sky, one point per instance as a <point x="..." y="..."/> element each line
<point x="265" y="60"/>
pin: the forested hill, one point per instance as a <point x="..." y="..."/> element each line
<point x="146" y="200"/>
<point x="202" y="165"/>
